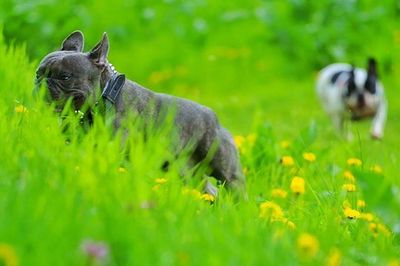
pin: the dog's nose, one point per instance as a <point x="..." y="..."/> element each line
<point x="361" y="100"/>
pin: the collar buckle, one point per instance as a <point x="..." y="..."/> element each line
<point x="113" y="88"/>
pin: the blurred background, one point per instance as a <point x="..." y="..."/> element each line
<point x="254" y="63"/>
<point x="249" y="60"/>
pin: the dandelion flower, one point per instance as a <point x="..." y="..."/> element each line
<point x="278" y="193"/>
<point x="374" y="229"/>
<point x="376" y="169"/>
<point x="354" y="162"/>
<point x="251" y="138"/>
<point x="8" y="256"/>
<point x="161" y="180"/>
<point x="287" y="161"/>
<point x="20" y="109"/>
<point x="369" y="217"/>
<point x="239" y="140"/>
<point x="349" y="176"/>
<point x="187" y="191"/>
<point x="121" y="170"/>
<point x="245" y="171"/>
<point x="351" y="214"/>
<point x="271" y="210"/>
<point x="349" y="187"/>
<point x="208" y="197"/>
<point x="361" y="204"/>
<point x="297" y="185"/>
<point x="284" y="144"/>
<point x="394" y="262"/>
<point x="307" y="245"/>
<point x="334" y="258"/>
<point x="310" y="157"/>
<point x="383" y="229"/>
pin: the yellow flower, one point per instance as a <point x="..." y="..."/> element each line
<point x="379" y="228"/>
<point x="349" y="176"/>
<point x="251" y="138"/>
<point x="20" y="109"/>
<point x="284" y="144"/>
<point x="158" y="77"/>
<point x="349" y="187"/>
<point x="334" y="258"/>
<point x="351" y="214"/>
<point x="394" y="262"/>
<point x="239" y="140"/>
<point x="373" y="227"/>
<point x="245" y="171"/>
<point x="360" y="203"/>
<point x="208" y="197"/>
<point x="297" y="185"/>
<point x="307" y="245"/>
<point x="187" y="191"/>
<point x="8" y="256"/>
<point x="369" y="217"/>
<point x="383" y="229"/>
<point x="287" y="161"/>
<point x="308" y="156"/>
<point x="278" y="193"/>
<point x="121" y="170"/>
<point x="271" y="210"/>
<point x="376" y="169"/>
<point x="354" y="162"/>
<point x="161" y="180"/>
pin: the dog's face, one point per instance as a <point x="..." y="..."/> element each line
<point x="361" y="95"/>
<point x="70" y="73"/>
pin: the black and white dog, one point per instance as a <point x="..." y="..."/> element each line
<point x="344" y="89"/>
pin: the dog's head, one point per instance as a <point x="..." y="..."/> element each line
<point x="71" y="73"/>
<point x="361" y="95"/>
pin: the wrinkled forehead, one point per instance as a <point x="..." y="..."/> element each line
<point x="66" y="60"/>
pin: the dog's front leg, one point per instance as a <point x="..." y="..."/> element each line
<point x="379" y="120"/>
<point x="337" y="120"/>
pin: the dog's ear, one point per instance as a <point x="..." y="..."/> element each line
<point x="371" y="66"/>
<point x="370" y="82"/>
<point x="99" y="53"/>
<point x="351" y="84"/>
<point x="74" y="42"/>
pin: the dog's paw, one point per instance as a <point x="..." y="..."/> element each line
<point x="210" y="189"/>
<point x="376" y="136"/>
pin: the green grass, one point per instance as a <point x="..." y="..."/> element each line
<point x="60" y="189"/>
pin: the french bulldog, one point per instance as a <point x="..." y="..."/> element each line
<point x="72" y="73"/>
<point x="344" y="89"/>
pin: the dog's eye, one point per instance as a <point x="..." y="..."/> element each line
<point x="65" y="76"/>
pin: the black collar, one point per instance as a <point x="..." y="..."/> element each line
<point x="113" y="88"/>
<point x="109" y="96"/>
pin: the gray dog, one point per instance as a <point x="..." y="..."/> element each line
<point x="71" y="73"/>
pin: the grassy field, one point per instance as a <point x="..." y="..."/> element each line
<point x="72" y="198"/>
